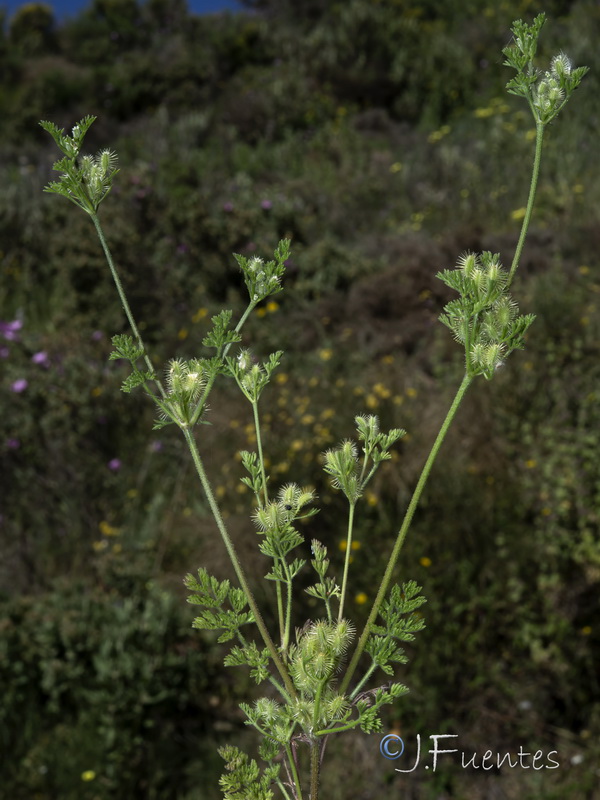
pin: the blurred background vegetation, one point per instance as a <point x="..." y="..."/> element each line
<point x="377" y="135"/>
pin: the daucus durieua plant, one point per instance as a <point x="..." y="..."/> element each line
<point x="321" y="680"/>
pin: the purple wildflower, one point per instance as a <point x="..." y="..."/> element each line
<point x="228" y="207"/>
<point x="266" y="205"/>
<point x="13" y="443"/>
<point x="41" y="358"/>
<point x="10" y="329"/>
<point x="19" y="385"/>
<point x="114" y="464"/>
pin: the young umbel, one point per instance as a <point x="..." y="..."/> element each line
<point x="320" y="677"/>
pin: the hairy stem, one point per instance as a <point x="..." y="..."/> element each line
<point x="347" y="559"/>
<point x="207" y="389"/>
<point x="363" y="680"/>
<point x="260" y="624"/>
<point x="539" y="138"/>
<point x="288" y="610"/>
<point x="260" y="450"/>
<point x="123" y="298"/>
<point x="265" y="501"/>
<point x="466" y="381"/>
<point x="315" y="768"/>
<point x="294" y="771"/>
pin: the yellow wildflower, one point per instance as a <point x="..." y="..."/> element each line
<point x="200" y="314"/>
<point x="107" y="530"/>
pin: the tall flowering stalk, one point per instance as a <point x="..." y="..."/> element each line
<point x="321" y="681"/>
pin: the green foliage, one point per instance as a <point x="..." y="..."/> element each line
<point x="89" y="679"/>
<point x="251" y="656"/>
<point x="32" y="29"/>
<point x="220" y="335"/>
<point x="245" y="781"/>
<point x="401" y="623"/>
<point x="264" y="279"/>
<point x="326" y="588"/>
<point x="368" y="709"/>
<point x="126" y="349"/>
<point x="212" y="594"/>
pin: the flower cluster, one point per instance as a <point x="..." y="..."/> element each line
<point x="547" y="94"/>
<point x="85" y="181"/>
<point x="484" y="319"/>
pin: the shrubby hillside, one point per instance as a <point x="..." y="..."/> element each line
<point x="378" y="137"/>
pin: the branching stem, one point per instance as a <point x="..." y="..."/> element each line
<point x="347" y="559"/>
<point x="123" y="299"/>
<point x="539" y="138"/>
<point x="387" y="577"/>
<point x="260" y="624"/>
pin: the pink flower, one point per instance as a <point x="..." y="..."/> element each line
<point x="41" y="358"/>
<point x="10" y="329"/>
<point x="114" y="464"/>
<point x="19" y="385"/>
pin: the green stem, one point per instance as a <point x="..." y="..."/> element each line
<point x="318" y="696"/>
<point x="363" y="680"/>
<point x="280" y="614"/>
<point x="294" y="771"/>
<point x="288" y="610"/>
<point x="260" y="624"/>
<point x="280" y="689"/>
<point x="260" y="450"/>
<point x="207" y="389"/>
<point x="282" y="788"/>
<point x="315" y="768"/>
<point x="266" y="500"/>
<point x="347" y="559"/>
<point x="539" y="137"/>
<point x="123" y="298"/>
<point x="341" y="729"/>
<point x="466" y="381"/>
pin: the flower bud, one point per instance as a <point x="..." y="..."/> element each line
<point x="468" y="262"/>
<point x="561" y="66"/>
